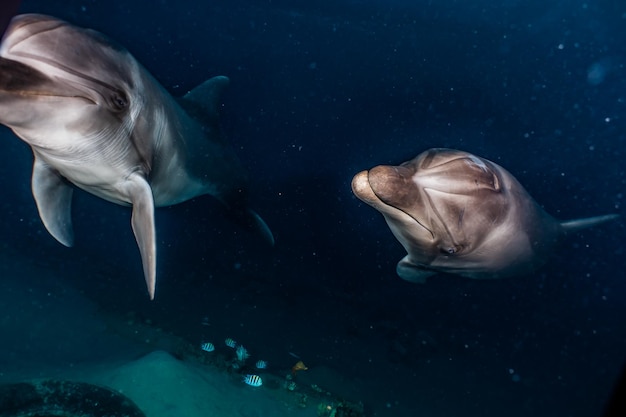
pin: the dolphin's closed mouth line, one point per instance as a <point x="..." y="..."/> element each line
<point x="398" y="208"/>
<point x="53" y="95"/>
<point x="432" y="235"/>
<point x="67" y="69"/>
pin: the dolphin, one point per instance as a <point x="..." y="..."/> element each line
<point x="96" y="119"/>
<point x="454" y="212"/>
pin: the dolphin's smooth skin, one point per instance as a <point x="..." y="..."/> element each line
<point x="96" y="119"/>
<point x="457" y="213"/>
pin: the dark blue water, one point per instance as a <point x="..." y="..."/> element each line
<point x="321" y="90"/>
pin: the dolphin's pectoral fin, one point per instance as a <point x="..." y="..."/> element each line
<point x="140" y="195"/>
<point x="411" y="272"/>
<point x="205" y="99"/>
<point x="53" y="196"/>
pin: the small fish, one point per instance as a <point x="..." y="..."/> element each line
<point x="208" y="347"/>
<point x="230" y="343"/>
<point x="299" y="366"/>
<point x="261" y="364"/>
<point x="242" y="353"/>
<point x="253" y="380"/>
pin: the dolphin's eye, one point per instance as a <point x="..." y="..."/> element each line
<point x="119" y="101"/>
<point x="450" y="250"/>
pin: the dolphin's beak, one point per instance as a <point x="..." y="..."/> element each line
<point x="394" y="186"/>
<point x="369" y="186"/>
<point x="46" y="57"/>
<point x="27" y="94"/>
<point x="390" y="190"/>
<point x="21" y="80"/>
<point x="362" y="189"/>
<point x="17" y="77"/>
<point x="383" y="188"/>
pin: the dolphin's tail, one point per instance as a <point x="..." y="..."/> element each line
<point x="579" y="224"/>
<point x="259" y="225"/>
<point x="252" y="222"/>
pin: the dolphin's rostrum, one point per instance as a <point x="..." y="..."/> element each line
<point x="458" y="213"/>
<point x="96" y="119"/>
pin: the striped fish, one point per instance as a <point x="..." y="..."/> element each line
<point x="230" y="343"/>
<point x="207" y="347"/>
<point x="253" y="380"/>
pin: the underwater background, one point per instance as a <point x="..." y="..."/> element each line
<point x="321" y="90"/>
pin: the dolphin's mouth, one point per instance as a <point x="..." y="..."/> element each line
<point x="43" y="95"/>
<point x="400" y="212"/>
<point x="23" y="80"/>
<point x="363" y="189"/>
<point x="402" y="195"/>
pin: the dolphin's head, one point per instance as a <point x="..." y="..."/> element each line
<point x="446" y="207"/>
<point x="57" y="74"/>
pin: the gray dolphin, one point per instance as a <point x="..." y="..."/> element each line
<point x="95" y="118"/>
<point x="457" y="213"/>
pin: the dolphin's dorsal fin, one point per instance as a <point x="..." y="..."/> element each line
<point x="53" y="196"/>
<point x="579" y="224"/>
<point x="204" y="100"/>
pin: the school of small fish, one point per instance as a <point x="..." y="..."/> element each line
<point x="241" y="354"/>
